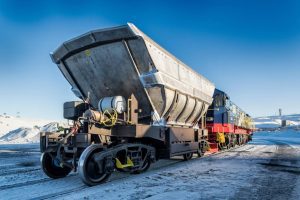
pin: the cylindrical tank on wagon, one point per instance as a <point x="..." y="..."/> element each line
<point x="117" y="103"/>
<point x="121" y="61"/>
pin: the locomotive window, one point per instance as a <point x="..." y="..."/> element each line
<point x="218" y="100"/>
<point x="228" y="104"/>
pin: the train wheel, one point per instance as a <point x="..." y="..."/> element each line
<point x="89" y="170"/>
<point x="188" y="156"/>
<point x="203" y="147"/>
<point x="200" y="153"/>
<point x="51" y="168"/>
<point x="241" y="140"/>
<point x="144" y="168"/>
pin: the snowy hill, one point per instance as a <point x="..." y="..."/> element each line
<point x="22" y="130"/>
<point x="273" y="122"/>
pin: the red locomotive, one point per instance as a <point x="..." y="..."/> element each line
<point x="227" y="124"/>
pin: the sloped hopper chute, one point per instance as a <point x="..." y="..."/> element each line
<point x="122" y="61"/>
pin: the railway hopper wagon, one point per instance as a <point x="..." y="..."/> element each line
<point x="227" y="124"/>
<point x="138" y="103"/>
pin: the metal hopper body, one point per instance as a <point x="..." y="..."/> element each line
<point x="124" y="61"/>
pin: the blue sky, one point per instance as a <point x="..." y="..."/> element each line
<point x="250" y="49"/>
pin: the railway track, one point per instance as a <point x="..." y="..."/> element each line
<point x="19" y="170"/>
<point x="50" y="196"/>
<point x="115" y="177"/>
<point x="32" y="182"/>
<point x="119" y="176"/>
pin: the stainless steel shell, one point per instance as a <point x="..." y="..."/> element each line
<point x="122" y="61"/>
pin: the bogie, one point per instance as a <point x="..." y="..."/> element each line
<point x="52" y="167"/>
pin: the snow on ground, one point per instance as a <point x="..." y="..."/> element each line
<point x="266" y="168"/>
<point x="23" y="130"/>
<point x="275" y="121"/>
<point x="287" y="134"/>
<point x="238" y="174"/>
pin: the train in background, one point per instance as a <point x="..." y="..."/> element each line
<point x="227" y="124"/>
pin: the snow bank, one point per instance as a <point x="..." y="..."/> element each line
<point x="22" y="130"/>
<point x="9" y="123"/>
<point x="276" y="121"/>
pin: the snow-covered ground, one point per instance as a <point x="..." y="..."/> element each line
<point x="22" y="130"/>
<point x="267" y="168"/>
<point x="276" y="121"/>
